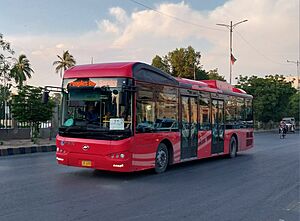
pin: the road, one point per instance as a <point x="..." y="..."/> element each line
<point x="260" y="184"/>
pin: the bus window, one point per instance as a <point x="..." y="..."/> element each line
<point x="167" y="110"/>
<point x="249" y="113"/>
<point x="230" y="112"/>
<point x="204" y="110"/>
<point x="145" y="111"/>
<point x="240" y="112"/>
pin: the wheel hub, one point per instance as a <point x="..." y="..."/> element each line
<point x="161" y="158"/>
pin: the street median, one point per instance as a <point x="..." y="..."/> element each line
<point x="25" y="147"/>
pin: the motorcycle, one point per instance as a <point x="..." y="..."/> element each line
<point x="282" y="132"/>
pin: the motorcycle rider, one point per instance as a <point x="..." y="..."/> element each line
<point x="282" y="126"/>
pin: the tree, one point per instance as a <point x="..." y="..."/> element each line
<point x="214" y="75"/>
<point x="4" y="93"/>
<point x="21" y="70"/>
<point x="182" y="62"/>
<point x="271" y="96"/>
<point x="161" y="63"/>
<point x="64" y="62"/>
<point x="5" y="62"/>
<point x="294" y="106"/>
<point x="27" y="106"/>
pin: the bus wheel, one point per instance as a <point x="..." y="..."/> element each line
<point x="162" y="158"/>
<point x="232" y="147"/>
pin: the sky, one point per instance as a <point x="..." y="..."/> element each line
<point x="125" y="30"/>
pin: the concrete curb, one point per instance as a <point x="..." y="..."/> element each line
<point x="26" y="150"/>
<point x="265" y="131"/>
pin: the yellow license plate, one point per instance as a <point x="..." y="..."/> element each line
<point x="86" y="163"/>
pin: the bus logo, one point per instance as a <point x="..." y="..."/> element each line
<point x="85" y="147"/>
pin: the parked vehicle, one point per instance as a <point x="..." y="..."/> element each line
<point x="290" y="123"/>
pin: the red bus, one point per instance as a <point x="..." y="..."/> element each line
<point x="132" y="116"/>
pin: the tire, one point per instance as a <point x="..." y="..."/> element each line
<point x="162" y="158"/>
<point x="232" y="147"/>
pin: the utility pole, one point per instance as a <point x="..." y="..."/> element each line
<point x="231" y="27"/>
<point x="297" y="64"/>
<point x="194" y="71"/>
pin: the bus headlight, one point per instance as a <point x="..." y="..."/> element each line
<point x="119" y="155"/>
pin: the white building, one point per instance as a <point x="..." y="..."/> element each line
<point x="295" y="81"/>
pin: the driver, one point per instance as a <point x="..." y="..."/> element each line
<point x="90" y="113"/>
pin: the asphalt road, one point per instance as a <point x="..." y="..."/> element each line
<point x="260" y="184"/>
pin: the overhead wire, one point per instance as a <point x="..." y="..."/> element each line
<point x="175" y="18"/>
<point x="257" y="51"/>
<point x="207" y="27"/>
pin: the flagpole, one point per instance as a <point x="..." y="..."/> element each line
<point x="230" y="53"/>
<point x="230" y="27"/>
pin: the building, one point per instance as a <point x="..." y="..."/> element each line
<point x="295" y="81"/>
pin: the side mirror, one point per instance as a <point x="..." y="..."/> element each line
<point x="45" y="97"/>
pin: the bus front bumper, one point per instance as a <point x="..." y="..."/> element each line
<point x="98" y="162"/>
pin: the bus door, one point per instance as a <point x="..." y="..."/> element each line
<point x="189" y="129"/>
<point x="218" y="128"/>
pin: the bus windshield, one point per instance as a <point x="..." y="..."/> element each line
<point x="97" y="108"/>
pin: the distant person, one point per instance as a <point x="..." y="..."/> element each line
<point x="282" y="126"/>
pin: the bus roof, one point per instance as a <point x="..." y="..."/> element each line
<point x="144" y="72"/>
<point x="120" y="69"/>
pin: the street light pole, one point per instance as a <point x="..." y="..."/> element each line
<point x="231" y="27"/>
<point x="297" y="64"/>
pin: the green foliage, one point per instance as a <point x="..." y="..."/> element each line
<point x="11" y="68"/>
<point x="271" y="96"/>
<point x="27" y="106"/>
<point x="64" y="62"/>
<point x="294" y="106"/>
<point x="214" y="75"/>
<point x="5" y="57"/>
<point x="4" y="45"/>
<point x="161" y="63"/>
<point x="4" y="93"/>
<point x="21" y="70"/>
<point x="182" y="62"/>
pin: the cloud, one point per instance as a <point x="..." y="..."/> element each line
<point x="262" y="45"/>
<point x="59" y="45"/>
<point x="115" y="27"/>
<point x="108" y="26"/>
<point x="119" y="14"/>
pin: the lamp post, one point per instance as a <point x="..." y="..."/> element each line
<point x="297" y="64"/>
<point x="231" y="27"/>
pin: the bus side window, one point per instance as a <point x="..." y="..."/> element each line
<point x="167" y="110"/>
<point x="249" y="113"/>
<point x="240" y="112"/>
<point x="204" y="112"/>
<point x="145" y="111"/>
<point x="230" y="112"/>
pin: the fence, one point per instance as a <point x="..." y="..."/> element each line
<point x="12" y="129"/>
<point x="7" y="121"/>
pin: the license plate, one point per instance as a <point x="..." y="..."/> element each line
<point x="86" y="163"/>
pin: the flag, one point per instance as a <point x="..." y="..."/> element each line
<point x="232" y="59"/>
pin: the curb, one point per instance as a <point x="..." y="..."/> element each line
<point x="26" y="150"/>
<point x="265" y="131"/>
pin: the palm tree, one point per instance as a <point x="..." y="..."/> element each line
<point x="21" y="70"/>
<point x="64" y="62"/>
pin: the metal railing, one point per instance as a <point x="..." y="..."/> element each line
<point x="7" y="121"/>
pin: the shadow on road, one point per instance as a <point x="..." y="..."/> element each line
<point x="202" y="164"/>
